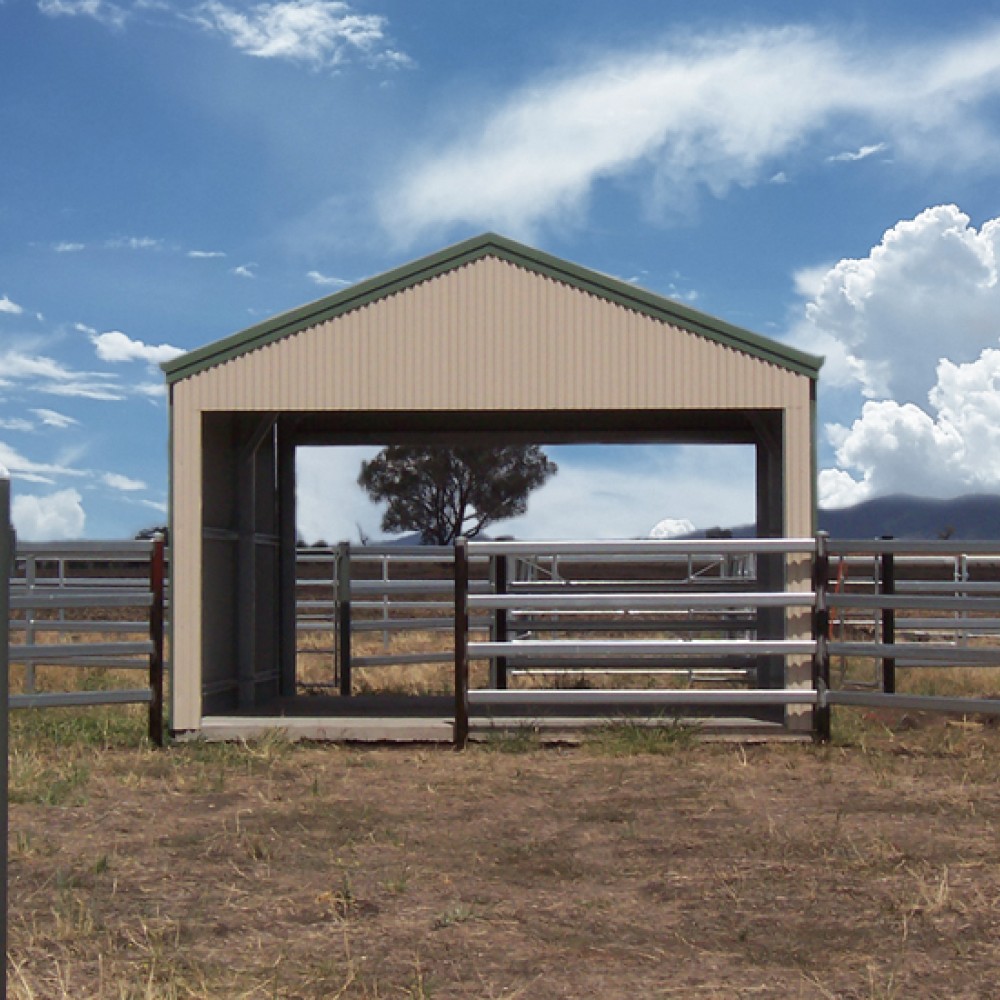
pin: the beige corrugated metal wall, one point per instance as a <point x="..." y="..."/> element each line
<point x="486" y="336"/>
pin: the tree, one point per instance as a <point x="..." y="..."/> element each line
<point x="445" y="493"/>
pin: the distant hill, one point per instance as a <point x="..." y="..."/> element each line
<point x="967" y="518"/>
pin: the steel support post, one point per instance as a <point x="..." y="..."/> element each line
<point x="156" y="581"/>
<point x="821" y="631"/>
<point x="498" y="566"/>
<point x="887" y="587"/>
<point x="461" y="732"/>
<point x="344" y="617"/>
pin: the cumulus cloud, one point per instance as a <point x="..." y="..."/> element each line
<point x="913" y="329"/>
<point x="119" y="482"/>
<point x="702" y="113"/>
<point x="44" y="518"/>
<point x="672" y="527"/>
<point x="901" y="448"/>
<point x="11" y="308"/>
<point x="115" y="346"/>
<point x="245" y="271"/>
<point x="316" y="32"/>
<point x="928" y="290"/>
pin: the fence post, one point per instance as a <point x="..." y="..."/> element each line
<point x="156" y="578"/>
<point x="821" y="629"/>
<point x="461" y="732"/>
<point x="6" y="561"/>
<point x="499" y="574"/>
<point x="344" y="616"/>
<point x="887" y="587"/>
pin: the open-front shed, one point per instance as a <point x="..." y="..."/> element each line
<point x="485" y="339"/>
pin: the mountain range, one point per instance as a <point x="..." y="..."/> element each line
<point x="967" y="518"/>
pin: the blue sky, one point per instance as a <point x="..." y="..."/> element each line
<point x="173" y="172"/>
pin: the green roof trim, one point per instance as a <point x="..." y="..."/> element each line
<point x="489" y="245"/>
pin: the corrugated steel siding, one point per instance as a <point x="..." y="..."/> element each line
<point x="493" y="336"/>
<point x="489" y="335"/>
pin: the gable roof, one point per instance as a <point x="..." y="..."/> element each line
<point x="490" y="245"/>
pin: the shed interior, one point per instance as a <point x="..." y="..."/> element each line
<point x="249" y="537"/>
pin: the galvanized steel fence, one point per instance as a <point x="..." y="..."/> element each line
<point x="54" y="590"/>
<point x="919" y="621"/>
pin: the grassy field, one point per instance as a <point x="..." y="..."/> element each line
<point x="636" y="865"/>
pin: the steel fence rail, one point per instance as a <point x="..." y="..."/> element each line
<point x="45" y="587"/>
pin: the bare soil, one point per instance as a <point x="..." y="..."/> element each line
<point x="627" y="867"/>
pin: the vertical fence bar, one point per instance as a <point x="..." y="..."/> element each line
<point x="6" y="561"/>
<point x="344" y="616"/>
<point x="821" y="630"/>
<point x="887" y="586"/>
<point x="156" y="579"/>
<point x="461" y="732"/>
<point x="498" y="566"/>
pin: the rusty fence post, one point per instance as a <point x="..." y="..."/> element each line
<point x="498" y="571"/>
<point x="157" y="576"/>
<point x="887" y="587"/>
<point x="461" y="731"/>
<point x="821" y="630"/>
<point x="344" y="617"/>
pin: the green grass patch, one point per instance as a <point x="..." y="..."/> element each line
<point x="631" y="737"/>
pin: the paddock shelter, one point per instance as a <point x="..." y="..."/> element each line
<point x="485" y="340"/>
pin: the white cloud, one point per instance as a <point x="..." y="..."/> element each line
<point x="134" y="243"/>
<point x="51" y="418"/>
<point x="25" y="468"/>
<point x="326" y="281"/>
<point x="43" y="374"/>
<point x="44" y="518"/>
<point x="119" y="482"/>
<point x="69" y="247"/>
<point x="602" y="492"/>
<point x="115" y="346"/>
<point x="205" y="254"/>
<point x="315" y="32"/>
<point x="329" y="503"/>
<point x="852" y="156"/>
<point x="12" y="308"/>
<point x="16" y="424"/>
<point x="672" y="527"/>
<point x="244" y="271"/>
<point x="914" y="328"/>
<point x="100" y="10"/>
<point x="700" y="113"/>
<point x="901" y="448"/>
<point x="928" y="290"/>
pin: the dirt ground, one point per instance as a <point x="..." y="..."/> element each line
<point x="627" y="867"/>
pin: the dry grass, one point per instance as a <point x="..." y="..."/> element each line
<point x="622" y="868"/>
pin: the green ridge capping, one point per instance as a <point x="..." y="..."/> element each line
<point x="489" y="244"/>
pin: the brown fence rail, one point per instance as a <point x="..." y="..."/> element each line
<point x="89" y="605"/>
